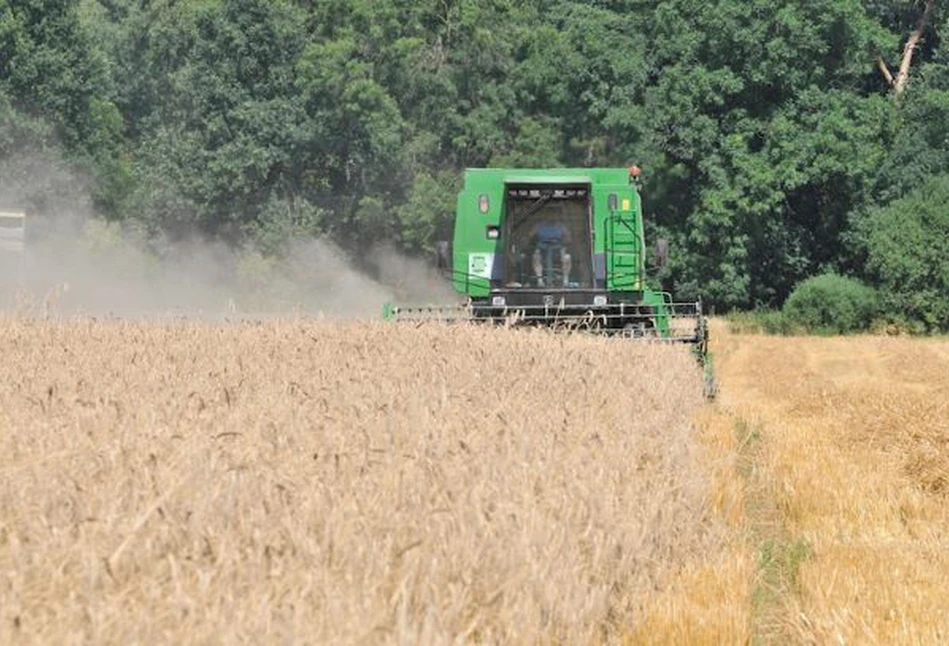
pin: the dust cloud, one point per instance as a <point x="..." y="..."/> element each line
<point x="76" y="264"/>
<point x="99" y="272"/>
<point x="93" y="268"/>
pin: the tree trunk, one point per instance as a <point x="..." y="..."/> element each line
<point x="898" y="82"/>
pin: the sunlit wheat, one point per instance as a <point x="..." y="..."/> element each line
<point x="340" y="483"/>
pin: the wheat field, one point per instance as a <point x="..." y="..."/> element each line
<point x="344" y="483"/>
<point x="360" y="483"/>
<point x="851" y="460"/>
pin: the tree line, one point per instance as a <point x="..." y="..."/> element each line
<point x="781" y="141"/>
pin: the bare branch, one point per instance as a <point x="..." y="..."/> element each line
<point x="910" y="48"/>
<point x="885" y="71"/>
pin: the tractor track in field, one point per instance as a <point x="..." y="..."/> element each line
<point x="777" y="554"/>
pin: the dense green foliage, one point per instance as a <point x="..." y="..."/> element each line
<point x="831" y="304"/>
<point x="907" y="254"/>
<point x="770" y="137"/>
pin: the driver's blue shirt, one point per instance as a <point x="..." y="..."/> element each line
<point x="550" y="235"/>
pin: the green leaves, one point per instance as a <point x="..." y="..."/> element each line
<point x="831" y="304"/>
<point x="767" y="130"/>
<point x="907" y="253"/>
<point x="767" y="110"/>
<point x="427" y="215"/>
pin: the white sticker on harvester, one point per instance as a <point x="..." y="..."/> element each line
<point x="480" y="265"/>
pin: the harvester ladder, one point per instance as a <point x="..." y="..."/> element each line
<point x="623" y="252"/>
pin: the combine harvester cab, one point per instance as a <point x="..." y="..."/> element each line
<point x="560" y="248"/>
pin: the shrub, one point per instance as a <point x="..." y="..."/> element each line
<point x="831" y="304"/>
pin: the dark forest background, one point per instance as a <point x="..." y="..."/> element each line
<point x="782" y="140"/>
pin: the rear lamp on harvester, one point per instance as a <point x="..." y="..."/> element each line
<point x="498" y="301"/>
<point x="599" y="300"/>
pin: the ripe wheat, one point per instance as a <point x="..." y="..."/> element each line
<point x="340" y="483"/>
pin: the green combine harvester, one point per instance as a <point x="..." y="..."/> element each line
<point x="562" y="248"/>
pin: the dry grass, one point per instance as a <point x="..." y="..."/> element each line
<point x="358" y="483"/>
<point x="855" y="442"/>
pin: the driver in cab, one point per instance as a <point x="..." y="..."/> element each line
<point x="552" y="248"/>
